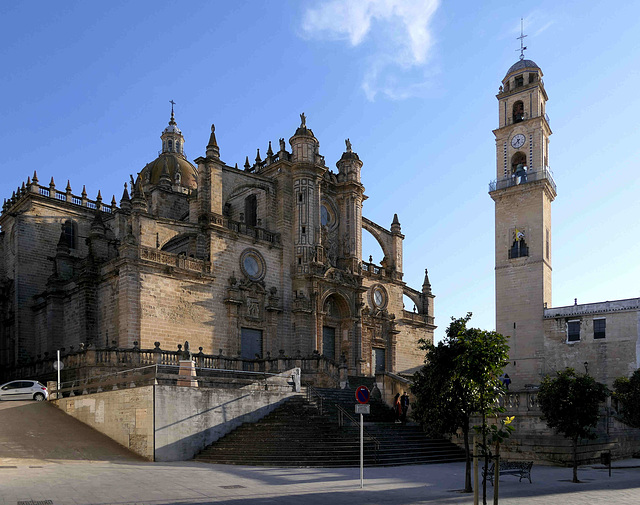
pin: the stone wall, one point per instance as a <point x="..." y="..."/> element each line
<point x="179" y="309"/>
<point x="615" y="355"/>
<point x="533" y="440"/>
<point x="189" y="419"/>
<point x="124" y="415"/>
<point x="173" y="423"/>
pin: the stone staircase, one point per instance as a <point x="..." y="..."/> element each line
<point x="300" y="433"/>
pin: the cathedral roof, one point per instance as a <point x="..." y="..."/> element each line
<point x="521" y="65"/>
<point x="152" y="172"/>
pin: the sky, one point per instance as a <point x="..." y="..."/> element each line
<point x="86" y="87"/>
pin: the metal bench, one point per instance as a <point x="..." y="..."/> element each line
<point x="520" y="469"/>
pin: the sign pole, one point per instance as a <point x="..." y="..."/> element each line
<point x="362" y="397"/>
<point x="361" y="452"/>
<point x="58" y="385"/>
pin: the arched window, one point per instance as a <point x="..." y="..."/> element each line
<point x="69" y="233"/>
<point x="518" y="158"/>
<point x="518" y="111"/>
<point x="177" y="146"/>
<point x="251" y="210"/>
<point x="519" y="249"/>
<point x="170" y="145"/>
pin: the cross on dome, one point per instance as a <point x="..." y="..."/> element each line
<point x="521" y="38"/>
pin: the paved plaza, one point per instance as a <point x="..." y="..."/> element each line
<point x="26" y="482"/>
<point x="49" y="458"/>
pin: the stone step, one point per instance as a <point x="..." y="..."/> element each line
<point x="297" y="434"/>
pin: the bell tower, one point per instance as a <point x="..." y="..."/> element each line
<point x="523" y="191"/>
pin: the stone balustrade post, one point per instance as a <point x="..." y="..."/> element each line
<point x="136" y="353"/>
<point x="281" y="361"/>
<point x="157" y="353"/>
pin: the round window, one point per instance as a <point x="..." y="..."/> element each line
<point x="379" y="296"/>
<point x="328" y="214"/>
<point x="325" y="217"/>
<point x="252" y="264"/>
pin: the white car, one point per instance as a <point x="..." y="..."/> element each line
<point x="23" y="390"/>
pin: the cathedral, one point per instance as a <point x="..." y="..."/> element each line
<point x="602" y="339"/>
<point x="245" y="262"/>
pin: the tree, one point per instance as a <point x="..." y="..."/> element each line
<point x="627" y="392"/>
<point x="460" y="378"/>
<point x="570" y="404"/>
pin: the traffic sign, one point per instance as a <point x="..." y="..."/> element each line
<point x="362" y="394"/>
<point x="363" y="409"/>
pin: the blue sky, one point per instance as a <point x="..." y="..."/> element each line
<point x="86" y="88"/>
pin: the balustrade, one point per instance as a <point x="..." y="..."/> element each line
<point x="84" y="362"/>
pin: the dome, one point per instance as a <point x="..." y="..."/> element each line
<point x="304" y="131"/>
<point x="152" y="172"/>
<point x="521" y="65"/>
<point x="349" y="155"/>
<point x="172" y="128"/>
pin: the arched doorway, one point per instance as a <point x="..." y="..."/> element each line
<point x="335" y="325"/>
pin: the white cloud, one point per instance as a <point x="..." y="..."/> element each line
<point x="398" y="30"/>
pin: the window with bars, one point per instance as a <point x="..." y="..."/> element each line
<point x="599" y="328"/>
<point x="573" y="331"/>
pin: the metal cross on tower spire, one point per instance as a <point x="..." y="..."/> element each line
<point x="172" y="104"/>
<point x="521" y="37"/>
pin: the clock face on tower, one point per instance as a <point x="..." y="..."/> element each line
<point x="518" y="141"/>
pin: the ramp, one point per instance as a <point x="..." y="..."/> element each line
<point x="41" y="432"/>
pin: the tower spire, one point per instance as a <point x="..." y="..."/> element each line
<point x="213" y="151"/>
<point x="521" y="38"/>
<point x="172" y="139"/>
<point x="172" y="120"/>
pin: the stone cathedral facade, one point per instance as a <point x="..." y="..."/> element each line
<point x="246" y="262"/>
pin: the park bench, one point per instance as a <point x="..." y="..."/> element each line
<point x="520" y="469"/>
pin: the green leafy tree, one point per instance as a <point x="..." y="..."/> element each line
<point x="627" y="392"/>
<point x="460" y="378"/>
<point x="570" y="404"/>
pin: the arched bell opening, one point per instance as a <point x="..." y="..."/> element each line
<point x="518" y="111"/>
<point x="518" y="160"/>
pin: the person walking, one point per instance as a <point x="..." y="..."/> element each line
<point x="404" y="403"/>
<point x="397" y="408"/>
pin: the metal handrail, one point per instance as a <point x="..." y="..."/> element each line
<point x="342" y="413"/>
<point x="311" y="390"/>
<point x="531" y="176"/>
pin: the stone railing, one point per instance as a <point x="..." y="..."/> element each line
<point x="50" y="191"/>
<point x="371" y="270"/>
<point x="415" y="317"/>
<point x="253" y="231"/>
<point x="172" y="375"/>
<point x="515" y="402"/>
<point x="89" y="361"/>
<point x="174" y="260"/>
